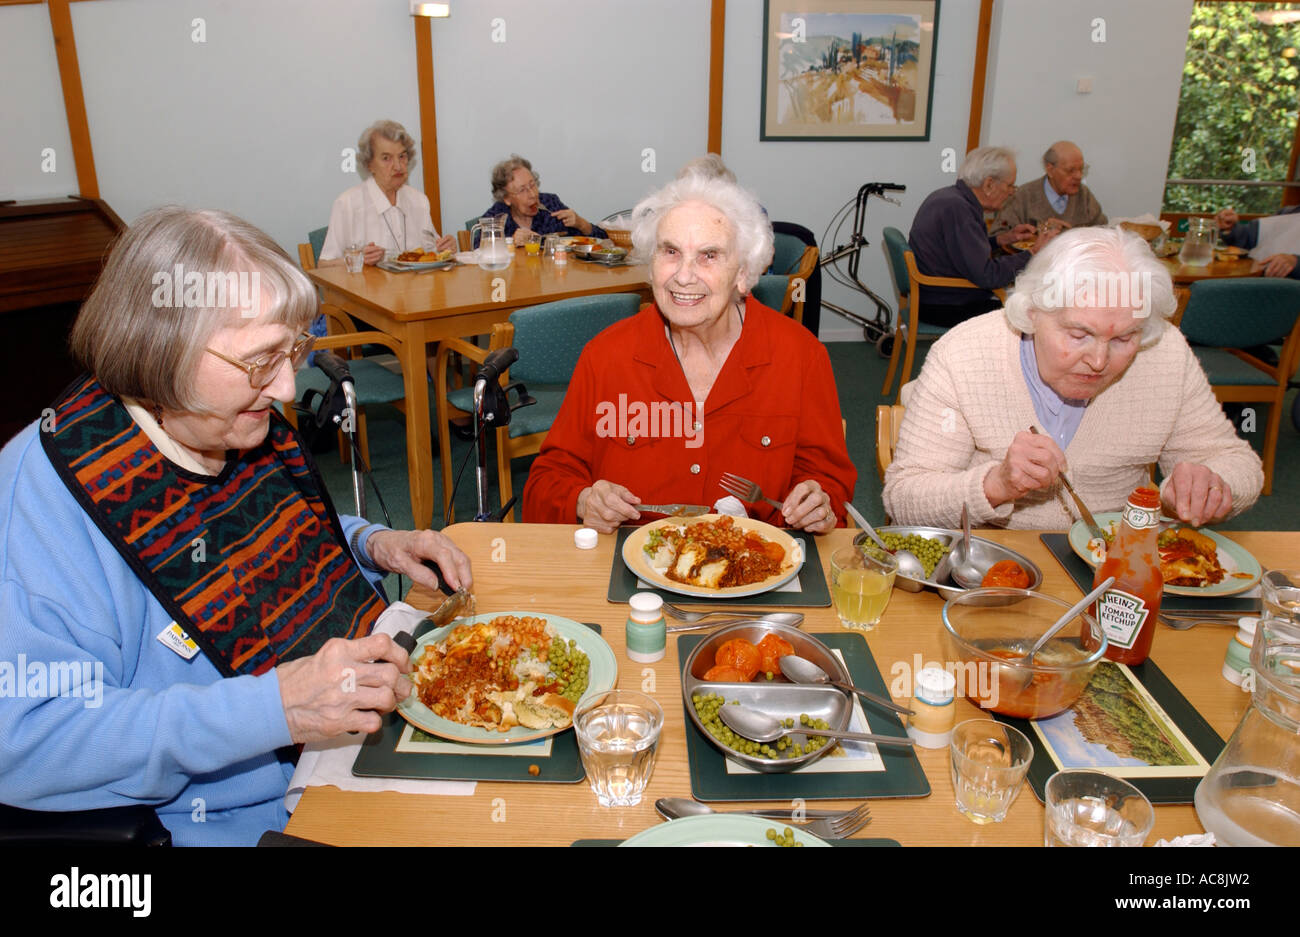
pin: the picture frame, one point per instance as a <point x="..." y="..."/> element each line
<point x="848" y="69"/>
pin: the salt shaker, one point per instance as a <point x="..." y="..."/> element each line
<point x="647" y="635"/>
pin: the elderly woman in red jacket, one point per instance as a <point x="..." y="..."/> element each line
<point x="705" y="381"/>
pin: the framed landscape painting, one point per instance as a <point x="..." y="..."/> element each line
<point x="848" y="69"/>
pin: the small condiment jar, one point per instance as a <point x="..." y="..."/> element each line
<point x="647" y="635"/>
<point x="1237" y="661"/>
<point x="561" y="254"/>
<point x="934" y="712"/>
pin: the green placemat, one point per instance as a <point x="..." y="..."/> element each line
<point x="813" y="590"/>
<point x="902" y="777"/>
<point x="1082" y="574"/>
<point x="833" y="842"/>
<point x="379" y="757"/>
<point x="1166" y="790"/>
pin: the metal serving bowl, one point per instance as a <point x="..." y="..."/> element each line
<point x="984" y="553"/>
<point x="778" y="698"/>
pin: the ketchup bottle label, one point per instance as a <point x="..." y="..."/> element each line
<point x="1121" y="616"/>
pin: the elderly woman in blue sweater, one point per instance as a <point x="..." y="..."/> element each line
<point x="178" y="597"/>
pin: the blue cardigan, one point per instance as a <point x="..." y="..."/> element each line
<point x="949" y="239"/>
<point x="151" y="727"/>
<point x="543" y="222"/>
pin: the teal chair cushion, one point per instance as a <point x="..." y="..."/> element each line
<point x="1223" y="368"/>
<point x="895" y="247"/>
<point x="374" y="383"/>
<point x="770" y="290"/>
<point x="317" y="240"/>
<point x="1240" y="312"/>
<point x="470" y="222"/>
<point x="926" y="329"/>
<point x="551" y="336"/>
<point x="788" y="251"/>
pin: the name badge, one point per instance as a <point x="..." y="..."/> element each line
<point x="175" y="638"/>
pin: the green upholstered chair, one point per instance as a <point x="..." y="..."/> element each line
<point x="1226" y="318"/>
<point x="770" y="290"/>
<point x="793" y="261"/>
<point x="908" y="328"/>
<point x="374" y="382"/>
<point x="549" y="338"/>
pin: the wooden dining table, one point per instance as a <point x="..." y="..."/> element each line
<point x="537" y="568"/>
<point x="421" y="308"/>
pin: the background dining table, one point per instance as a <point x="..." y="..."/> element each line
<point x="536" y="568"/>
<point x="421" y="308"/>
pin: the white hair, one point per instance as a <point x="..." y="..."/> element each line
<point x="753" y="230"/>
<point x="998" y="162"/>
<point x="392" y="131"/>
<point x="1107" y="260"/>
<point x="710" y="165"/>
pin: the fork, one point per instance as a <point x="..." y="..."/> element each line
<point x="826" y="824"/>
<point x="682" y="614"/>
<point x="745" y="490"/>
<point x="1185" y="622"/>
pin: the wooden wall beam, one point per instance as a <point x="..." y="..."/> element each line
<point x="980" y="77"/>
<point x="74" y="101"/>
<point x="717" y="37"/>
<point x="428" y="118"/>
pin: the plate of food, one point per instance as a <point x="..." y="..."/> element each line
<point x="424" y="260"/>
<point x="1228" y="252"/>
<point x="609" y="256"/>
<point x="724" y="829"/>
<point x="505" y="677"/>
<point x="713" y="555"/>
<point x="1023" y="245"/>
<point x="1194" y="562"/>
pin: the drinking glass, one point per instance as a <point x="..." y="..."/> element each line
<point x="1198" y="244"/>
<point x="1089" y="808"/>
<point x="861" y="584"/>
<point x="989" y="763"/>
<point x="354" y="257"/>
<point x="618" y="738"/>
<point x="533" y="244"/>
<point x="1281" y="592"/>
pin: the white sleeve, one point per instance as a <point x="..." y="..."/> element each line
<point x="340" y="233"/>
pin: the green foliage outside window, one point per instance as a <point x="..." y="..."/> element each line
<point x="1237" y="109"/>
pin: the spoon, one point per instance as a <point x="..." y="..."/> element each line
<point x="909" y="564"/>
<point x="964" y="572"/>
<point x="1066" y="619"/>
<point x="801" y="670"/>
<point x="760" y="727"/>
<point x="793" y="619"/>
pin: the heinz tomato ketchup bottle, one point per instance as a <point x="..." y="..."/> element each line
<point x="1127" y="611"/>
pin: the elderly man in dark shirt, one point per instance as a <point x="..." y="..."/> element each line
<point x="1237" y="233"/>
<point x="950" y="239"/>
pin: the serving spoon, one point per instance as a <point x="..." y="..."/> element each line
<point x="793" y="619"/>
<point x="760" y="727"/>
<point x="801" y="670"/>
<point x="909" y="564"/>
<point x="1063" y="621"/>
<point x="964" y="572"/>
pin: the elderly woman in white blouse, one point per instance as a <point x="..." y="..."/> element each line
<point x="1084" y="354"/>
<point x="384" y="213"/>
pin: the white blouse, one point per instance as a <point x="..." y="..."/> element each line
<point x="363" y="215"/>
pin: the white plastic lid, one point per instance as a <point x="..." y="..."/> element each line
<point x="646" y="603"/>
<point x="585" y="538"/>
<point x="935" y="685"/>
<point x="1246" y="628"/>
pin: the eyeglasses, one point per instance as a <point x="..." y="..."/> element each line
<point x="524" y="189"/>
<point x="1076" y="171"/>
<point x="263" y="371"/>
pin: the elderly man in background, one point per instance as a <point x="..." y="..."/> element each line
<point x="1058" y="196"/>
<point x="1082" y="352"/>
<point x="950" y="239"/>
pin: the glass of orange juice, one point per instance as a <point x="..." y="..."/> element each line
<point x="860" y="585"/>
<point x="533" y="246"/>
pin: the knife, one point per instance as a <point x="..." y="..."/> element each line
<point x="862" y="522"/>
<point x="674" y="510"/>
<point x="458" y="603"/>
<point x="1088" y="519"/>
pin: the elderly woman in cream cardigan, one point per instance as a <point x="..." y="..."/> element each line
<point x="1080" y="375"/>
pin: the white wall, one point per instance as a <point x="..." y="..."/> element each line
<point x="580" y="89"/>
<point x="254" y="119"/>
<point x="31" y="109"/>
<point x="1125" y="126"/>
